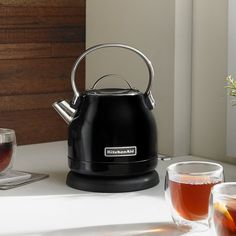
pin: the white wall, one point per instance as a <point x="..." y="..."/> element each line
<point x="152" y="26"/>
<point x="209" y="68"/>
<point x="231" y="110"/>
<point x="182" y="78"/>
<point x="162" y="29"/>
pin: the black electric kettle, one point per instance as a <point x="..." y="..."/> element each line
<point x="112" y="137"/>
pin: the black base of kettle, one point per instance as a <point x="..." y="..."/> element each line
<point x="112" y="185"/>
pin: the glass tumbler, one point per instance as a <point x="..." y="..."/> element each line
<point x="7" y="149"/>
<point x="187" y="190"/>
<point x="223" y="208"/>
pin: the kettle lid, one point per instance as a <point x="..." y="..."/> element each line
<point x="113" y="92"/>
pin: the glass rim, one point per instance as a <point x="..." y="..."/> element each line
<point x="6" y="131"/>
<point x="170" y="168"/>
<point x="215" y="190"/>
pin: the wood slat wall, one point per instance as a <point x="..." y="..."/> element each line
<point x="39" y="41"/>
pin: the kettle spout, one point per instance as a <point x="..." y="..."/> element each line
<point x="64" y="110"/>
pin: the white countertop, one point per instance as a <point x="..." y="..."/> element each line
<point x="49" y="207"/>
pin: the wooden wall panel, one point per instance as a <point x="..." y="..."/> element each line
<point x="40" y="50"/>
<point x="37" y="76"/>
<point x="41" y="35"/>
<point x="31" y="102"/>
<point x="35" y="126"/>
<point x="44" y="3"/>
<point x="39" y="42"/>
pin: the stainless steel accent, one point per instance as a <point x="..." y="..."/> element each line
<point x="163" y="157"/>
<point x="110" y="75"/>
<point x="118" y="93"/>
<point x="65" y="110"/>
<point x="94" y="48"/>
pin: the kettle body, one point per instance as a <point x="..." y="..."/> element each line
<point x="112" y="135"/>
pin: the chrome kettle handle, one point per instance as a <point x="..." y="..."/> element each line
<point x="150" y="102"/>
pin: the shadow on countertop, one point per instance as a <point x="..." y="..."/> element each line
<point x="139" y="229"/>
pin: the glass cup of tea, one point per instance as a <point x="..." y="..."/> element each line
<point x="187" y="190"/>
<point x="7" y="149"/>
<point x="223" y="208"/>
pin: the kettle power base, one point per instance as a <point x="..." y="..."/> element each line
<point x="112" y="184"/>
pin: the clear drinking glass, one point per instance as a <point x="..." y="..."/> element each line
<point x="223" y="208"/>
<point x="187" y="189"/>
<point x="7" y="149"/>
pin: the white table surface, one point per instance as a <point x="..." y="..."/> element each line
<point x="49" y="207"/>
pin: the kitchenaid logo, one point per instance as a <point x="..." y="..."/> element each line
<point x="120" y="151"/>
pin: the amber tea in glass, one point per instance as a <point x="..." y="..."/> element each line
<point x="188" y="187"/>
<point x="223" y="208"/>
<point x="7" y="148"/>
